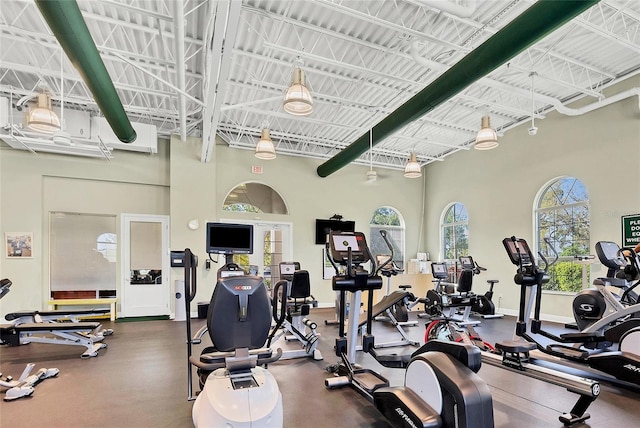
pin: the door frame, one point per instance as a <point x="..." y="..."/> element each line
<point x="125" y="252"/>
<point x="287" y="247"/>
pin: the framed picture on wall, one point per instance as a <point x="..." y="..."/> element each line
<point x="19" y="245"/>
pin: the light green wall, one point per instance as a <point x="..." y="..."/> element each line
<point x="307" y="197"/>
<point x="499" y="187"/>
<point x="174" y="182"/>
<point x="33" y="185"/>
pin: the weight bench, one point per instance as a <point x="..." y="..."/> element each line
<point x="384" y="306"/>
<point x="73" y="316"/>
<point x="77" y="334"/>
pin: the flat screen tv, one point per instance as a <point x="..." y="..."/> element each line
<point x="229" y="238"/>
<point x="323" y="227"/>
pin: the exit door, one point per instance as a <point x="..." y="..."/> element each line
<point x="145" y="265"/>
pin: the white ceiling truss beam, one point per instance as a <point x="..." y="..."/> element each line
<point x="390" y="25"/>
<point x="220" y="39"/>
<point x="180" y="65"/>
<point x="621" y="27"/>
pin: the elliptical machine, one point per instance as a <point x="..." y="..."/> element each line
<point x="441" y="386"/>
<point x="595" y="345"/>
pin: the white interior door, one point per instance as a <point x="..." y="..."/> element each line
<point x="146" y="287"/>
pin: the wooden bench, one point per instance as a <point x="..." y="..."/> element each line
<point x="53" y="304"/>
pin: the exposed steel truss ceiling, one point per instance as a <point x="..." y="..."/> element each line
<point x="362" y="60"/>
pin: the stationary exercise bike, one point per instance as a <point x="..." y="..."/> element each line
<point x="610" y="345"/>
<point x="441" y="387"/>
<point x="589" y="306"/>
<point x="445" y="300"/>
<point x="483" y="305"/>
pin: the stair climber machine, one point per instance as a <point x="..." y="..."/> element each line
<point x="611" y="345"/>
<point x="441" y="387"/>
<point x="236" y="388"/>
<point x="25" y="385"/>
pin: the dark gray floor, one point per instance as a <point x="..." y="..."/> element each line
<point x="140" y="381"/>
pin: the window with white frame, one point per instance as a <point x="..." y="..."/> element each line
<point x="455" y="237"/>
<point x="562" y="227"/>
<point x="391" y="220"/>
<point x="253" y="197"/>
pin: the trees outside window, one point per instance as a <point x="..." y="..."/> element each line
<point x="455" y="237"/>
<point x="389" y="219"/>
<point x="253" y="197"/>
<point x="562" y="224"/>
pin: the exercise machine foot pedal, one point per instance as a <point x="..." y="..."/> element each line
<point x="568" y="351"/>
<point x="515" y="354"/>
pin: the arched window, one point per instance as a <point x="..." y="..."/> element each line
<point x="389" y="219"/>
<point x="455" y="237"/>
<point x="562" y="221"/>
<point x="253" y="197"/>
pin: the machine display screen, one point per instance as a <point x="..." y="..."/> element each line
<point x="517" y="251"/>
<point x="341" y="242"/>
<point x="287" y="269"/>
<point x="439" y="270"/>
<point x="466" y="262"/>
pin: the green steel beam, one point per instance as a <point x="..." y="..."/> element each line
<point x="66" y="23"/>
<point x="536" y="22"/>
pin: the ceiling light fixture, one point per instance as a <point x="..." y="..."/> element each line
<point x="297" y="100"/>
<point x="42" y="118"/>
<point x="264" y="148"/>
<point x="487" y="138"/>
<point x="412" y="169"/>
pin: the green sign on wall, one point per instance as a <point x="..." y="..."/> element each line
<point x="630" y="230"/>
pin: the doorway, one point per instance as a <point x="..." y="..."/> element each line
<point x="272" y="244"/>
<point x="146" y="287"/>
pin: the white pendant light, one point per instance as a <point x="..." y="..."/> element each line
<point x="42" y="118"/>
<point x="297" y="100"/>
<point x="487" y="138"/>
<point x="264" y="148"/>
<point x="412" y="169"/>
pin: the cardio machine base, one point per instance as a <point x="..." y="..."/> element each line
<point x="250" y="399"/>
